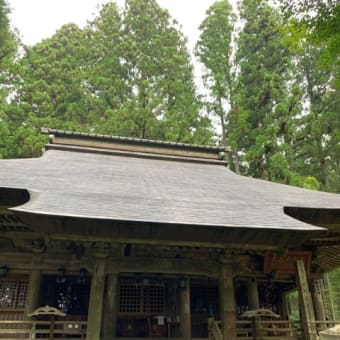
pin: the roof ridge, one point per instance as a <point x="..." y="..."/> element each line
<point x="133" y="140"/>
<point x="134" y="154"/>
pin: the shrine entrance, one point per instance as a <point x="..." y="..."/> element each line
<point x="153" y="305"/>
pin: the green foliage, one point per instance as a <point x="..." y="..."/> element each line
<point x="279" y="112"/>
<point x="48" y="91"/>
<point x="261" y="121"/>
<point x="124" y="74"/>
<point x="105" y="86"/>
<point x="4" y="139"/>
<point x="334" y="292"/>
<point x="318" y="23"/>
<point x="292" y="300"/>
<point x="162" y="93"/>
<point x="7" y="43"/>
<point x="311" y="183"/>
<point x="214" y="51"/>
<point x="320" y="125"/>
<point x="8" y="48"/>
<point x="318" y="137"/>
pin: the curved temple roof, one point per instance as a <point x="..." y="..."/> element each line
<point x="79" y="180"/>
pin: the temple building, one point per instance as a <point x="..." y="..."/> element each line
<point x="132" y="238"/>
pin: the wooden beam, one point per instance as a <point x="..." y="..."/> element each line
<point x="164" y="265"/>
<point x="124" y="240"/>
<point x="227" y="299"/>
<point x="306" y="305"/>
<point x="47" y="263"/>
<point x="94" y="317"/>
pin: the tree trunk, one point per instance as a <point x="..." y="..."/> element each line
<point x="324" y="173"/>
<point x="237" y="163"/>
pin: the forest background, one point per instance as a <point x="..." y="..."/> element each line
<point x="269" y="88"/>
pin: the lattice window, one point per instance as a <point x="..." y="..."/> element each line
<point x="130" y="298"/>
<point x="154" y="299"/>
<point x="204" y="300"/>
<point x="143" y="299"/>
<point x="13" y="294"/>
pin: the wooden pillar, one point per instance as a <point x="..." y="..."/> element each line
<point x="110" y="308"/>
<point x="227" y="301"/>
<point x="284" y="307"/>
<point x="306" y="305"/>
<point x="33" y="291"/>
<point x="94" y="317"/>
<point x="185" y="315"/>
<point x="253" y="294"/>
<point x="327" y="292"/>
<point x="319" y="307"/>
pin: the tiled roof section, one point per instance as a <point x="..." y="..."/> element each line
<point x="92" y="185"/>
<point x="146" y="146"/>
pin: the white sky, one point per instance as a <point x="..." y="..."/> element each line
<point x="39" y="19"/>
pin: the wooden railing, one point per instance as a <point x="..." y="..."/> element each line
<point x="72" y="330"/>
<point x="214" y="329"/>
<point x="244" y="329"/>
<point x="249" y="330"/>
<point x="322" y="325"/>
<point x="278" y="329"/>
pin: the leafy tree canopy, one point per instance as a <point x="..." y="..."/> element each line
<point x="214" y="51"/>
<point x="319" y="22"/>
